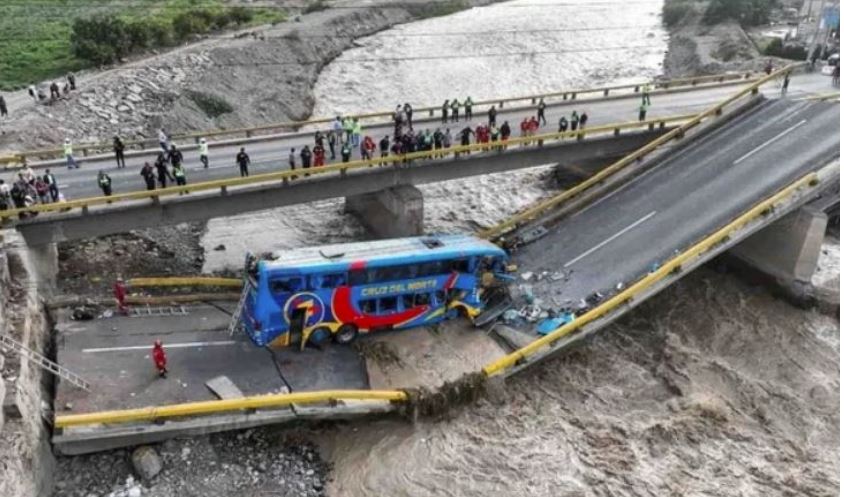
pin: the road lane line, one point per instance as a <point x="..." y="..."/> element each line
<point x="760" y="147"/>
<point x="608" y="240"/>
<point x="166" y="346"/>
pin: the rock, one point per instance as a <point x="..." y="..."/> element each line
<point x="146" y="462"/>
<point x="133" y="492"/>
<point x="220" y="247"/>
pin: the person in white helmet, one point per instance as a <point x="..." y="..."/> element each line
<point x="203" y="152"/>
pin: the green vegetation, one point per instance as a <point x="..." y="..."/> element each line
<point x="47" y="38"/>
<point x="746" y="12"/>
<point x="315" y="6"/>
<point x="211" y="105"/>
<point x="776" y="48"/>
<point x="425" y="10"/>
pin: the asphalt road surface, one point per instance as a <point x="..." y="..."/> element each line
<point x="704" y="186"/>
<point x="269" y="156"/>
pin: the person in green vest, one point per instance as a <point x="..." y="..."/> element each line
<point x="646" y="93"/>
<point x="455" y="111"/>
<point x="348" y="128"/>
<point x="104" y="180"/>
<point x="467" y="108"/>
<point x="574" y="120"/>
<point x="68" y="154"/>
<point x="357" y="131"/>
<point x="181" y="179"/>
<point x="643" y="111"/>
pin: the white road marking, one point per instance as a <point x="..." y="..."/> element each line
<point x="608" y="240"/>
<point x="760" y="147"/>
<point x="166" y="346"/>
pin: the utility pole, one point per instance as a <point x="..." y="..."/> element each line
<point x="811" y="46"/>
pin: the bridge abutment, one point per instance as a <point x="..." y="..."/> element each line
<point x="787" y="250"/>
<point x="389" y="213"/>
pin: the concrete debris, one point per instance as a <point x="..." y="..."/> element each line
<point x="527" y="276"/>
<point x="146" y="462"/>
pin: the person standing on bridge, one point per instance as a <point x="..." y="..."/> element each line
<point x="384" y="146"/>
<point x="175" y="156"/>
<point x="291" y="159"/>
<point x="337" y="127"/>
<point x="643" y="111"/>
<point x="319" y="139"/>
<point x="4" y="111"/>
<point x="465" y="137"/>
<point x="104" y="180"/>
<point x="159" y="358"/>
<point x="243" y="161"/>
<point x="445" y="112"/>
<point x="319" y="155"/>
<point x="505" y="134"/>
<point x="836" y="76"/>
<point x="455" y="111"/>
<point x="161" y="169"/>
<point x="357" y="131"/>
<point x="348" y="128"/>
<point x="493" y="112"/>
<point x="769" y="66"/>
<point x="181" y="177"/>
<point x="332" y="144"/>
<point x="5" y="195"/>
<point x="119" y="147"/>
<point x="305" y="155"/>
<point x="162" y="140"/>
<point x="447" y="139"/>
<point x="147" y="172"/>
<point x="52" y="185"/>
<point x="540" y="111"/>
<point x="68" y="154"/>
<point x="583" y="119"/>
<point x="408" y="112"/>
<point x="203" y="152"/>
<point x="467" y="108"/>
<point x="119" y="289"/>
<point x="562" y="124"/>
<point x="785" y="80"/>
<point x="574" y="120"/>
<point x="646" y="93"/>
<point x="346" y="152"/>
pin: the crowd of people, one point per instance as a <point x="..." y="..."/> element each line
<point x="344" y="138"/>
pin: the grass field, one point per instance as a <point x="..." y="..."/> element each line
<point x="35" y="34"/>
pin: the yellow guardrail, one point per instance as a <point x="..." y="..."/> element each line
<point x="340" y="168"/>
<point x="20" y="157"/>
<point x="534" y="211"/>
<point x="180" y="299"/>
<point x="823" y="97"/>
<point x="217" y="406"/>
<point x="510" y="360"/>
<point x="185" y="281"/>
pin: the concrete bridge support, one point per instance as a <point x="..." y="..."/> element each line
<point x="390" y="213"/>
<point x="787" y="250"/>
<point x="46" y="260"/>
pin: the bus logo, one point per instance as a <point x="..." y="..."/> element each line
<point x="308" y="302"/>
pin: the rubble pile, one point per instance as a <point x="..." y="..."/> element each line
<point x="252" y="462"/>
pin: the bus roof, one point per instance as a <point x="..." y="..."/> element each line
<point x="382" y="252"/>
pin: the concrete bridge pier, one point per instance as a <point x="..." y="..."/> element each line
<point x="787" y="250"/>
<point x="45" y="258"/>
<point x="389" y="213"/>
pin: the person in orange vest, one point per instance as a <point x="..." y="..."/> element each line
<point x="159" y="358"/>
<point x="120" y="296"/>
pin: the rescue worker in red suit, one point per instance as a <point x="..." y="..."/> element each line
<point x="120" y="296"/>
<point x="319" y="156"/>
<point x="159" y="358"/>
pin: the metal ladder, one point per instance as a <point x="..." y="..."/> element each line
<point x="158" y="311"/>
<point x="238" y="311"/>
<point x="10" y="343"/>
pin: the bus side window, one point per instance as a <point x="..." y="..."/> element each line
<point x="439" y="297"/>
<point x="357" y="277"/>
<point x="407" y="301"/>
<point x="333" y="280"/>
<point x="423" y="299"/>
<point x="287" y="285"/>
<point x="388" y="304"/>
<point x="460" y="265"/>
<point x="367" y="306"/>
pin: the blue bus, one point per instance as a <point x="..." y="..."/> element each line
<point x="312" y="294"/>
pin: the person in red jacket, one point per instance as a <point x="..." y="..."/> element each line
<point x="367" y="148"/>
<point x="319" y="155"/>
<point x="159" y="358"/>
<point x="523" y="127"/>
<point x="120" y="296"/>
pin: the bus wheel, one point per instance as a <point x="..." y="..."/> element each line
<point x="319" y="336"/>
<point x="346" y="334"/>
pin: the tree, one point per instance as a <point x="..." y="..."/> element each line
<point x="101" y="39"/>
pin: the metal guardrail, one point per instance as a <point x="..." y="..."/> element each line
<point x="493" y="368"/>
<point x="535" y="211"/>
<point x="18" y="158"/>
<point x="216" y="406"/>
<point x="500" y="365"/>
<point x="185" y="281"/>
<point x="288" y="176"/>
